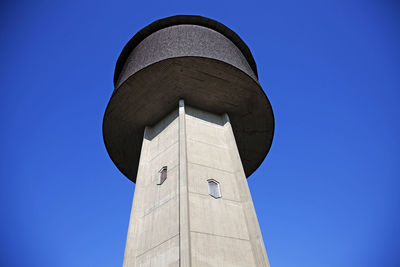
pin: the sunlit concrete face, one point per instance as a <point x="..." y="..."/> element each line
<point x="178" y="222"/>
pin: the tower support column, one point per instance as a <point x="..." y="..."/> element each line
<point x="184" y="230"/>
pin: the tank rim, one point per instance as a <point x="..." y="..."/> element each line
<point x="179" y="20"/>
<point x="255" y="84"/>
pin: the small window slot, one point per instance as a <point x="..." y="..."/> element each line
<point x="214" y="188"/>
<point x="162" y="175"/>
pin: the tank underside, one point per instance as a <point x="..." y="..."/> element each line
<point x="200" y="65"/>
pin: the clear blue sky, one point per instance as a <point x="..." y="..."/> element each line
<point x="327" y="193"/>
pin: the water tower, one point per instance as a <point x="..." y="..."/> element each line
<point x="188" y="122"/>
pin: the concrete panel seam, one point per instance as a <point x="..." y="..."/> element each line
<point x="161" y="152"/>
<point x="206" y="166"/>
<point x="199" y="141"/>
<point x="159" y="244"/>
<point x="222" y="198"/>
<point x="165" y="149"/>
<point x="230" y="237"/>
<point x="155" y="207"/>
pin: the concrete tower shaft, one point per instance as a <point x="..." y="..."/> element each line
<point x="180" y="222"/>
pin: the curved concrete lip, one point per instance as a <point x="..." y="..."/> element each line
<point x="212" y="85"/>
<point x="179" y="20"/>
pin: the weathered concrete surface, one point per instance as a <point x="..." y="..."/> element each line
<point x="153" y="235"/>
<point x="178" y="223"/>
<point x="191" y="58"/>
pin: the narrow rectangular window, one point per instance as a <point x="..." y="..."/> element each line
<point x="162" y="175"/>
